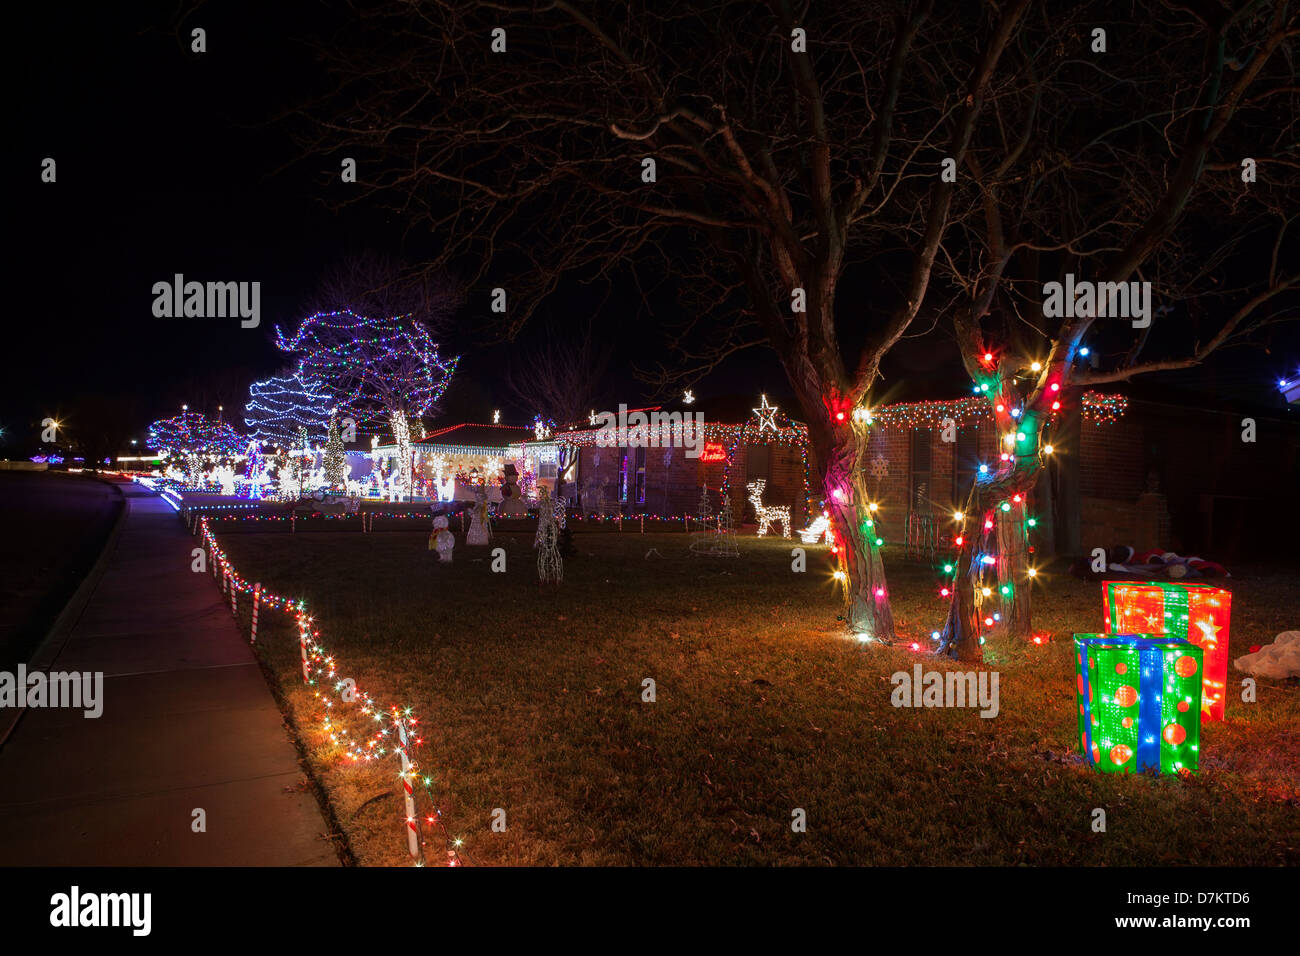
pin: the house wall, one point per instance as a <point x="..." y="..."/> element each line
<point x="673" y="481"/>
<point x="1114" y="462"/>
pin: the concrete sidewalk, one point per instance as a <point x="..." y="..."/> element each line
<point x="188" y="722"/>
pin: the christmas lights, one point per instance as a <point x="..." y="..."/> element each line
<point x="1139" y="701"/>
<point x="1196" y="613"/>
<point x="728" y="438"/>
<point x="1098" y="409"/>
<point x="278" y="407"/>
<point x="385" y="369"/>
<point x="192" y="433"/>
<point x="767" y="515"/>
<point x="320" y="672"/>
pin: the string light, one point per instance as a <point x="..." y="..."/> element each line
<point x="281" y="405"/>
<point x="372" y="367"/>
<point x="1096" y="407"/>
<point x="321" y="673"/>
<point x="189" y="435"/>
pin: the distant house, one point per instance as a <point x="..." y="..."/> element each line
<point x="449" y="461"/>
<point x="657" y="478"/>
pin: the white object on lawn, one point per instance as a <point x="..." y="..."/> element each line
<point x="1276" y="661"/>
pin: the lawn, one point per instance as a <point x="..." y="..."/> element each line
<point x="531" y="702"/>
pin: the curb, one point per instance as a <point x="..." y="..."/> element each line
<point x="47" y="651"/>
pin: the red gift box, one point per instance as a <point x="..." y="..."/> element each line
<point x="1197" y="613"/>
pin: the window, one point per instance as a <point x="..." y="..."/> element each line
<point x="920" y="491"/>
<point x="622" y="477"/>
<point x="966" y="464"/>
<point x="757" y="462"/>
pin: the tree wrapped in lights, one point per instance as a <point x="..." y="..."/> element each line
<point x="375" y="370"/>
<point x="279" y="406"/>
<point x="335" y="461"/>
<point x="194" y="439"/>
<point x="255" y="472"/>
<point x="784" y="175"/>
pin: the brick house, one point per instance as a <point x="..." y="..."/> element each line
<point x="663" y="481"/>
<point x="1147" y="472"/>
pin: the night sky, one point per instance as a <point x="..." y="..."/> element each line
<point x="172" y="162"/>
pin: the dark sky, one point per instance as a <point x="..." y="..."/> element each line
<point x="167" y="162"/>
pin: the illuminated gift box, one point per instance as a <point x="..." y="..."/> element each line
<point x="1139" y="701"/>
<point x="1196" y="612"/>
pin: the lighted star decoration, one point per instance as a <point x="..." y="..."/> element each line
<point x="689" y="397"/>
<point x="766" y="415"/>
<point x="1209" y="633"/>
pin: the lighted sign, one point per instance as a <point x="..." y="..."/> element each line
<point x="713" y="452"/>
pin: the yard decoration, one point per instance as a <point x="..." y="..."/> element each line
<point x="1198" y="613"/>
<point x="1139" y="700"/>
<point x="479" y="532"/>
<point x="550" y="566"/>
<point x="767" y="515"/>
<point x="442" y="539"/>
<point x="819" y="530"/>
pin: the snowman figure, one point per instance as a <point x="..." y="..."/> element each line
<point x="512" y="501"/>
<point x="442" y="539"/>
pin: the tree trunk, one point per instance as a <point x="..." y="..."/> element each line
<point x="1013" y="566"/>
<point x="996" y="528"/>
<point x="862" y="572"/>
<point x="1044" y="502"/>
<point x="402" y="438"/>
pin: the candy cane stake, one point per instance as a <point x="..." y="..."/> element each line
<point x="257" y="597"/>
<point x="302" y="646"/>
<point x="412" y="837"/>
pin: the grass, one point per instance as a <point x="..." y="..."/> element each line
<point x="531" y="702"/>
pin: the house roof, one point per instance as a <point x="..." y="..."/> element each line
<point x="468" y="434"/>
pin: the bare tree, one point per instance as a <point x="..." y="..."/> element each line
<point x="785" y="143"/>
<point x="562" y="380"/>
<point x="1110" y="170"/>
<point x="373" y="284"/>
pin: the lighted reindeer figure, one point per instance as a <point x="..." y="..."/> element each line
<point x="764" y="515"/>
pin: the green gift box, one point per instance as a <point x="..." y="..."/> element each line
<point x="1139" y="699"/>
